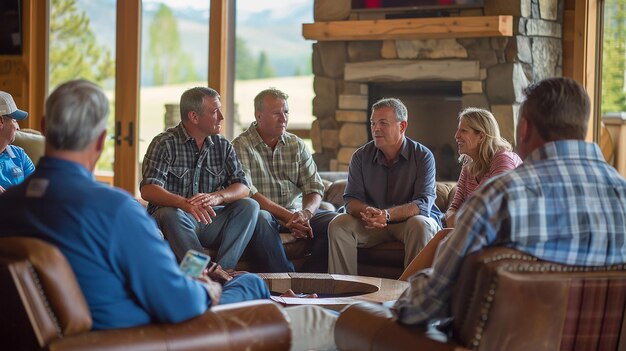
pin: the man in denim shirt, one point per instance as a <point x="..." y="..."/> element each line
<point x="15" y="165"/>
<point x="197" y="190"/>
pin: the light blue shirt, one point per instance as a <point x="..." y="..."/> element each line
<point x="15" y="166"/>
<point x="564" y="204"/>
<point x="127" y="273"/>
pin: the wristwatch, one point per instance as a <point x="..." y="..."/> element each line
<point x="387" y="218"/>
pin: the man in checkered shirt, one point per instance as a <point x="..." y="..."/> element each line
<point x="564" y="204"/>
<point x="283" y="177"/>
<point x="197" y="190"/>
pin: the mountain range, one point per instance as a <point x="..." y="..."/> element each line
<point x="278" y="33"/>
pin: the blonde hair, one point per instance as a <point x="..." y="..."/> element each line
<point x="483" y="122"/>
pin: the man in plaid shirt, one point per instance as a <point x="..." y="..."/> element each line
<point x="564" y="204"/>
<point x="197" y="190"/>
<point x="283" y="177"/>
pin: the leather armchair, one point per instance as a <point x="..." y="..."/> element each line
<point x="508" y="300"/>
<point x="43" y="308"/>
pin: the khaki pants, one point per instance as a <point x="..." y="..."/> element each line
<point x="347" y="233"/>
<point x="312" y="328"/>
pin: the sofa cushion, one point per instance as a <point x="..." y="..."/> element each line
<point x="32" y="142"/>
<point x="334" y="193"/>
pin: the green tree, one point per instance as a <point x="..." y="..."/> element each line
<point x="264" y="70"/>
<point x="75" y="53"/>
<point x="245" y="65"/>
<point x="613" y="57"/>
<point x="169" y="64"/>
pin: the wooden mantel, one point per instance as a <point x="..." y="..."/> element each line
<point x="411" y="28"/>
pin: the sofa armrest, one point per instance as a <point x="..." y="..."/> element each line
<point x="253" y="325"/>
<point x="367" y="326"/>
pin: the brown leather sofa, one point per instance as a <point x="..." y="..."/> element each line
<point x="42" y="307"/>
<point x="385" y="260"/>
<point x="508" y="300"/>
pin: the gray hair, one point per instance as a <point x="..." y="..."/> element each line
<point x="398" y="107"/>
<point x="273" y="92"/>
<point x="76" y="114"/>
<point x="558" y="107"/>
<point x="192" y="99"/>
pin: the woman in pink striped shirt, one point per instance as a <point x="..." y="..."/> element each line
<point x="484" y="154"/>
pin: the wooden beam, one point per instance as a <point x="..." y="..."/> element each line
<point x="580" y="53"/>
<point x="221" y="48"/>
<point x="127" y="54"/>
<point x="35" y="58"/>
<point x="411" y="28"/>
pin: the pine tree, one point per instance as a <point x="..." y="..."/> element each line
<point x="245" y="66"/>
<point x="74" y="51"/>
<point x="264" y="70"/>
<point x="165" y="57"/>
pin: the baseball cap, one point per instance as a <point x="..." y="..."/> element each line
<point x="8" y="108"/>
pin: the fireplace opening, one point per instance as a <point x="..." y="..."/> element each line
<point x="433" y="108"/>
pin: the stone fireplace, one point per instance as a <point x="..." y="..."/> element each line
<point x="435" y="78"/>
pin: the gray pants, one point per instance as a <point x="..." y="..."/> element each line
<point x="347" y="233"/>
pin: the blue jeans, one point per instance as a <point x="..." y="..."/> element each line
<point x="318" y="261"/>
<point x="267" y="247"/>
<point x="232" y="228"/>
<point x="245" y="287"/>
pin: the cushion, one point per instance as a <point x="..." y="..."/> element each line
<point x="32" y="142"/>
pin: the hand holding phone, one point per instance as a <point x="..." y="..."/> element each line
<point x="194" y="263"/>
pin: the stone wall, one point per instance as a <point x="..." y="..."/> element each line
<point x="493" y="71"/>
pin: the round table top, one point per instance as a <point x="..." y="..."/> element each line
<point x="349" y="288"/>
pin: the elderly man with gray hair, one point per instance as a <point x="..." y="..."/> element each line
<point x="127" y="273"/>
<point x="390" y="193"/>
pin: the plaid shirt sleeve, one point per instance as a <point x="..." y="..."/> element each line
<point x="429" y="291"/>
<point x="156" y="163"/>
<point x="243" y="151"/>
<point x="233" y="166"/>
<point x="309" y="181"/>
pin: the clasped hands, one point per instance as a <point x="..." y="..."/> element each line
<point x="200" y="206"/>
<point x="374" y="218"/>
<point x="299" y="224"/>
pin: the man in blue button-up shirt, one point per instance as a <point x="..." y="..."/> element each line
<point x="390" y="192"/>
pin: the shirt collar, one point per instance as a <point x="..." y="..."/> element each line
<point x="379" y="156"/>
<point x="563" y="149"/>
<point x="183" y="137"/>
<point x="47" y="162"/>
<point x="9" y="151"/>
<point x="256" y="137"/>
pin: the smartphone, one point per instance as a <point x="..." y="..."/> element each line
<point x="194" y="263"/>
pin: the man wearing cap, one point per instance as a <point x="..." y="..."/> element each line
<point x="15" y="165"/>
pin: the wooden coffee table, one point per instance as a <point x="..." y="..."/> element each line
<point x="336" y="290"/>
